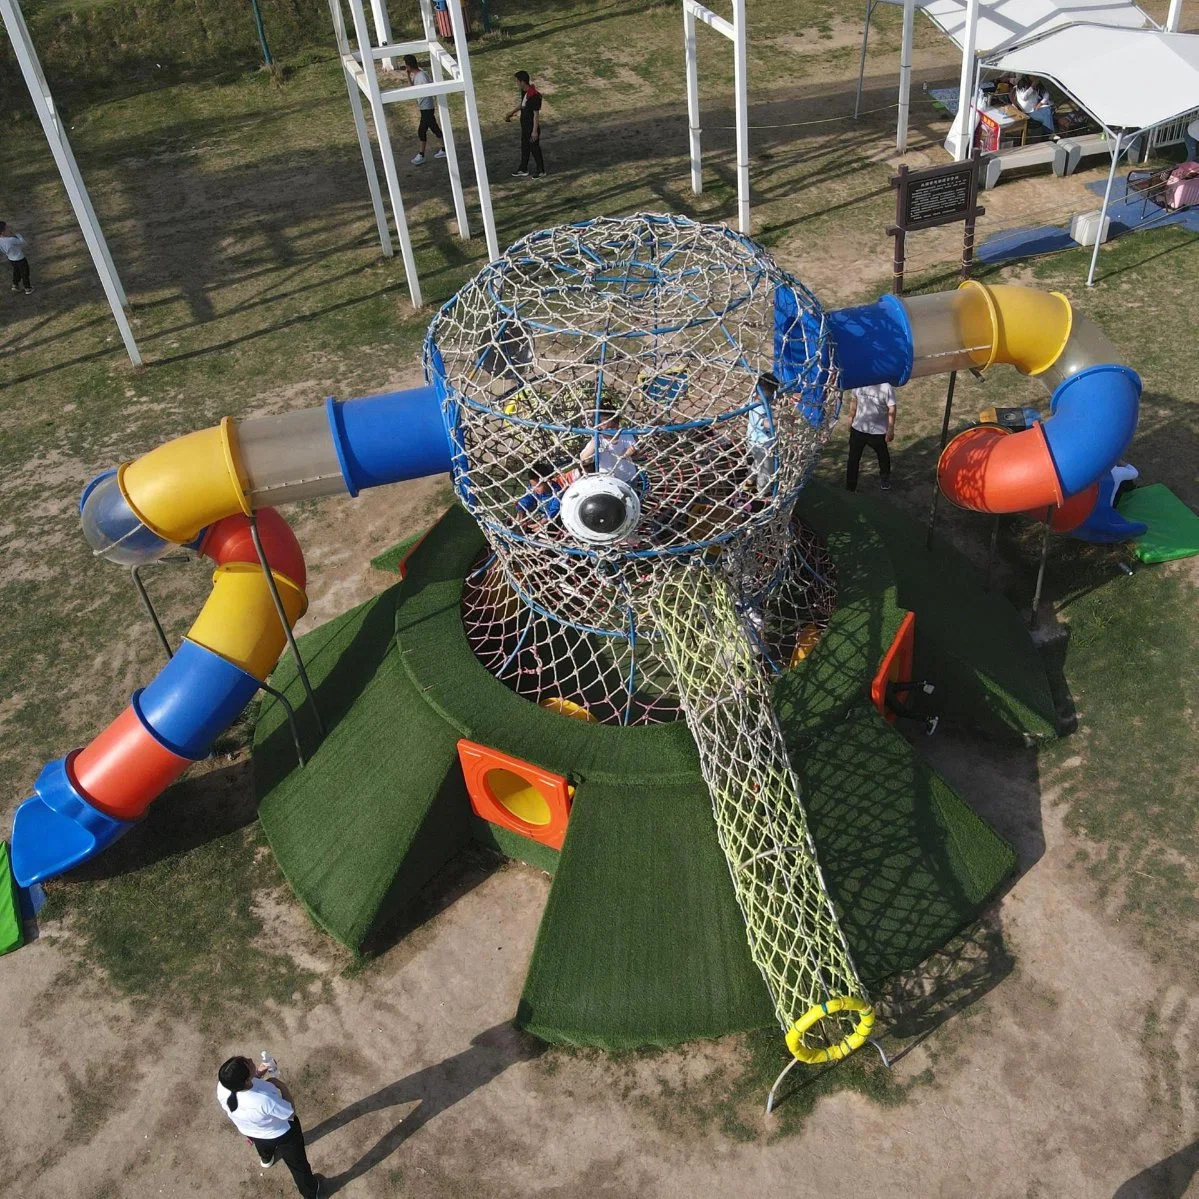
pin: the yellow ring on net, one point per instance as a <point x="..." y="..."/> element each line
<point x="847" y="1044"/>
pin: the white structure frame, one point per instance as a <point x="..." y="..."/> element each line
<point x="449" y="75"/>
<point x="735" y="31"/>
<point x="68" y="168"/>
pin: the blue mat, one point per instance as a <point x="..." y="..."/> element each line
<point x="1126" y="213"/>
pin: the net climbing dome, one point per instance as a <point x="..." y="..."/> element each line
<point x="627" y="398"/>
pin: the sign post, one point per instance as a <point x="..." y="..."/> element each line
<point x="924" y="200"/>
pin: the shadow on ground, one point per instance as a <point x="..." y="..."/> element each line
<point x="434" y="1089"/>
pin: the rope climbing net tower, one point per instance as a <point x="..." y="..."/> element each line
<point x="634" y="405"/>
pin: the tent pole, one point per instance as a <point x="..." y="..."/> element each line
<point x="1174" y="16"/>
<point x="905" y="76"/>
<point x="966" y="89"/>
<point x="857" y="100"/>
<point x="1107" y="195"/>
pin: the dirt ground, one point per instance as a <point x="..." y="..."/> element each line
<point x="410" y="1080"/>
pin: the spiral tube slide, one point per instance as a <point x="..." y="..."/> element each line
<point x="200" y="491"/>
<point x="1058" y="463"/>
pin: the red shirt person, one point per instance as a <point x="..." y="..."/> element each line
<point x="529" y="110"/>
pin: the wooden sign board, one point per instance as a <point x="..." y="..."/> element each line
<point x="932" y="197"/>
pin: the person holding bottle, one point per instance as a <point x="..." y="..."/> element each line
<point x="262" y="1110"/>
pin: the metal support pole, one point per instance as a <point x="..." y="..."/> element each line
<point x="905" y="75"/>
<point x="364" y="137"/>
<point x="1174" y="16"/>
<point x="741" y="98"/>
<point x="279" y="609"/>
<point x="382" y="29"/>
<point x="857" y="100"/>
<point x="991" y="547"/>
<point x="291" y="718"/>
<point x="932" y="512"/>
<point x="443" y="112"/>
<point x="379" y="116"/>
<point x="694" y="132"/>
<point x="778" y="1082"/>
<point x="1107" y="195"/>
<point x="1036" y="596"/>
<point x="266" y="50"/>
<point x="144" y="596"/>
<point x="473" y="130"/>
<point x="68" y="169"/>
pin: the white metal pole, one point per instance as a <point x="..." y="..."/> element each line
<point x="473" y="130"/>
<point x="364" y="138"/>
<point x="443" y="112"/>
<point x="966" y="89"/>
<point x="68" y="168"/>
<point x="1174" y="16"/>
<point x="857" y="99"/>
<point x="905" y="75"/>
<point x="368" y="162"/>
<point x="1107" y="195"/>
<point x="379" y="116"/>
<point x="382" y="28"/>
<point x="741" y="95"/>
<point x="694" y="133"/>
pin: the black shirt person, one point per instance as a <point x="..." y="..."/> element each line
<point x="529" y="110"/>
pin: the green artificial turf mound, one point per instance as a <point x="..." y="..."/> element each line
<point x="1173" y="527"/>
<point x="11" y="934"/>
<point x="375" y="813"/>
<point x="641" y="941"/>
<point x="906" y="861"/>
<point x="972" y="643"/>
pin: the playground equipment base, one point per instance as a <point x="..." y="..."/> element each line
<point x="641" y="941"/>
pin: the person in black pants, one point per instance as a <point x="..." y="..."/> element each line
<point x="871" y="423"/>
<point x="262" y="1110"/>
<point x="12" y="246"/>
<point x="529" y="110"/>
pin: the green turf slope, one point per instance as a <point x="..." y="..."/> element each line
<point x="641" y="941"/>
<point x="380" y="806"/>
<point x="906" y="861"/>
<point x="970" y="642"/>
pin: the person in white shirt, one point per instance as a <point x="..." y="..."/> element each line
<point x="12" y="246"/>
<point x="262" y="1111"/>
<point x="871" y="423"/>
<point x="611" y="450"/>
<point x="1033" y="100"/>
<point x="425" y="105"/>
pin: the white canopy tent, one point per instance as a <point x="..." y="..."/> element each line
<point x="1129" y="80"/>
<point x="987" y="26"/>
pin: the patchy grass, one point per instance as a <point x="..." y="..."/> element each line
<point x="168" y="918"/>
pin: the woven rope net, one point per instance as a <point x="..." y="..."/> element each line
<point x="634" y="405"/>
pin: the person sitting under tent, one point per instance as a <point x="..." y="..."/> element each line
<point x="1033" y="100"/>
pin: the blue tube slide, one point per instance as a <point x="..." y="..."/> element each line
<point x="389" y="438"/>
<point x="873" y="343"/>
<point x="1093" y="416"/>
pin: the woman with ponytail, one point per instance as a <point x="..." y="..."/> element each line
<point x="263" y="1111"/>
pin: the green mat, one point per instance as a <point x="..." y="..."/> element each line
<point x="1173" y="527"/>
<point x="11" y="935"/>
